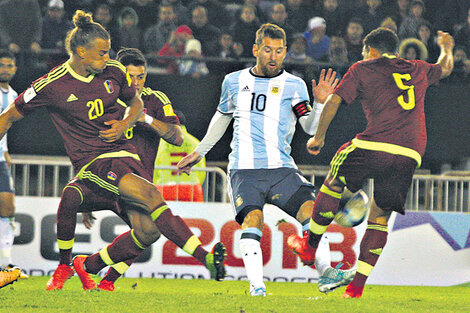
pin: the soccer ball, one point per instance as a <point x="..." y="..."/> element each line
<point x="353" y="209"/>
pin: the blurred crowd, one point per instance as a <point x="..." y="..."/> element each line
<point x="178" y="35"/>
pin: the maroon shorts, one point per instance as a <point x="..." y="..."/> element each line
<point x="392" y="174"/>
<point x="103" y="175"/>
<point x="96" y="200"/>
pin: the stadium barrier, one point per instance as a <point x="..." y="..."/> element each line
<point x="45" y="176"/>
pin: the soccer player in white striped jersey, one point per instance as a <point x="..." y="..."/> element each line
<point x="7" y="190"/>
<point x="266" y="102"/>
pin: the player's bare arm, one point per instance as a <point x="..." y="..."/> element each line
<point x="317" y="142"/>
<point x="186" y="163"/>
<point x="326" y="85"/>
<point x="8" y="117"/>
<point x="117" y="129"/>
<point x="171" y="133"/>
<point x="446" y="58"/>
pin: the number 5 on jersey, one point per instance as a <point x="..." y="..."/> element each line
<point x="399" y="79"/>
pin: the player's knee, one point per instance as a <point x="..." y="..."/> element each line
<point x="146" y="234"/>
<point x="253" y="218"/>
<point x="7" y="211"/>
<point x="300" y="204"/>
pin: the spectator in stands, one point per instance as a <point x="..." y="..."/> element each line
<point x="390" y="24"/>
<point x="297" y="50"/>
<point x="409" y="26"/>
<point x="298" y="15"/>
<point x="353" y="38"/>
<point x="226" y="47"/>
<point x="279" y="17"/>
<point x="334" y="16"/>
<point x="158" y="34"/>
<point x="104" y="15"/>
<point x="203" y="31"/>
<point x="146" y="10"/>
<point x="461" y="72"/>
<point x="175" y="47"/>
<point x="215" y="11"/>
<point x="55" y="26"/>
<point x="176" y="186"/>
<point x="338" y="51"/>
<point x="413" y="49"/>
<point x="193" y="67"/>
<point x="260" y="13"/>
<point x="399" y="10"/>
<point x="244" y="29"/>
<point x="20" y="25"/>
<point x="182" y="13"/>
<point x="129" y="34"/>
<point x="462" y="36"/>
<point x="371" y="14"/>
<point x="318" y="43"/>
<point x="425" y="34"/>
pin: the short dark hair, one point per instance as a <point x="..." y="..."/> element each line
<point x="270" y="30"/>
<point x="84" y="32"/>
<point x="382" y="39"/>
<point x="131" y="56"/>
<point x="7" y="54"/>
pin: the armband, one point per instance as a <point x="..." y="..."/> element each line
<point x="148" y="119"/>
<point x="302" y="109"/>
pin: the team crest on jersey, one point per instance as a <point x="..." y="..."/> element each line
<point x="275" y="89"/>
<point x="109" y="86"/>
<point x="112" y="175"/>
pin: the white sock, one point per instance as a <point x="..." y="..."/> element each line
<point x="323" y="255"/>
<point x="253" y="259"/>
<point x="7" y="237"/>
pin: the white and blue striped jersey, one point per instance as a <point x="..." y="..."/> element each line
<point x="264" y="121"/>
<point x="8" y="96"/>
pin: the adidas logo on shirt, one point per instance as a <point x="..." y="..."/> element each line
<point x="71" y="98"/>
<point x="246" y="88"/>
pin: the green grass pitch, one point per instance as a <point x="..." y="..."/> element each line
<point x="167" y="295"/>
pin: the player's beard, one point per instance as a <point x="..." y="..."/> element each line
<point x="271" y="72"/>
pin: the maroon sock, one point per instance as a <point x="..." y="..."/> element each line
<point x="112" y="275"/>
<point x="175" y="229"/>
<point x="124" y="247"/>
<point x="372" y="243"/>
<point x="324" y="211"/>
<point x="66" y="222"/>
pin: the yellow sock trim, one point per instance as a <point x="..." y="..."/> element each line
<point x="330" y="192"/>
<point x="65" y="244"/>
<point x="383" y="228"/>
<point x="364" y="268"/>
<point x="191" y="245"/>
<point x="316" y="228"/>
<point x="120" y="267"/>
<point x="137" y="242"/>
<point x="105" y="256"/>
<point x="155" y="214"/>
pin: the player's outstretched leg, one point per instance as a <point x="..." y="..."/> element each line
<point x="61" y="274"/>
<point x="9" y="276"/>
<point x="215" y="262"/>
<point x="78" y="264"/>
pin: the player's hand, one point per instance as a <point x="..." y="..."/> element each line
<point x="115" y="132"/>
<point x="326" y="85"/>
<point x="186" y="163"/>
<point x="314" y="145"/>
<point x="445" y="40"/>
<point x="88" y="219"/>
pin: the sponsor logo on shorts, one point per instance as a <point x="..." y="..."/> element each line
<point x="276" y="196"/>
<point x="239" y="201"/>
<point x="112" y="175"/>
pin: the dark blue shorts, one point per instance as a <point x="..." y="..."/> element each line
<point x="252" y="188"/>
<point x="6" y="182"/>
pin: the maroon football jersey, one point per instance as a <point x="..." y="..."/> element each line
<point x="79" y="106"/>
<point x="142" y="136"/>
<point x="391" y="91"/>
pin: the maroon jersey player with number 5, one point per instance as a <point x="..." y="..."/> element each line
<point x="391" y="91"/>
